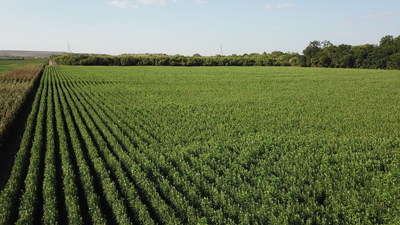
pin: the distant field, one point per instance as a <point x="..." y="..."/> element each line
<point x="16" y="53"/>
<point x="216" y="145"/>
<point x="8" y="65"/>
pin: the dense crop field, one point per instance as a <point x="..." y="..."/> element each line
<point x="14" y="88"/>
<point x="209" y="145"/>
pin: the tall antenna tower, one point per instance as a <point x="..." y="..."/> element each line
<point x="222" y="52"/>
<point x="68" y="47"/>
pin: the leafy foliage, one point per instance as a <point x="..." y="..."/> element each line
<point x="382" y="56"/>
<point x="316" y="54"/>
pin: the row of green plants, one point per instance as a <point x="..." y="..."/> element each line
<point x="218" y="210"/>
<point x="170" y="171"/>
<point x="185" y="210"/>
<point x="166" y="170"/>
<point x="9" y="197"/>
<point x="99" y="154"/>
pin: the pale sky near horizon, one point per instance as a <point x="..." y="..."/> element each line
<point x="192" y="26"/>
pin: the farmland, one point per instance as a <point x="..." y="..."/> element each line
<point x="209" y="145"/>
<point x="8" y="65"/>
<point x="16" y="82"/>
<point x="17" y="90"/>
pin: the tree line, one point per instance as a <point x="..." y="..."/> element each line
<point x="385" y="55"/>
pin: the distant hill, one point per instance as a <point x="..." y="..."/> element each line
<point x="40" y="54"/>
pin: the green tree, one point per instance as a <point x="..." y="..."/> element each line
<point x="362" y="55"/>
<point x="294" y="61"/>
<point x="386" y="40"/>
<point x="311" y="52"/>
<point x="394" y="61"/>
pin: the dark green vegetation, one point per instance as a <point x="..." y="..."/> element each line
<point x="213" y="145"/>
<point x="273" y="59"/>
<point x="386" y="55"/>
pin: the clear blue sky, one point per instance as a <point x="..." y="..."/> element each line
<point x="192" y="26"/>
